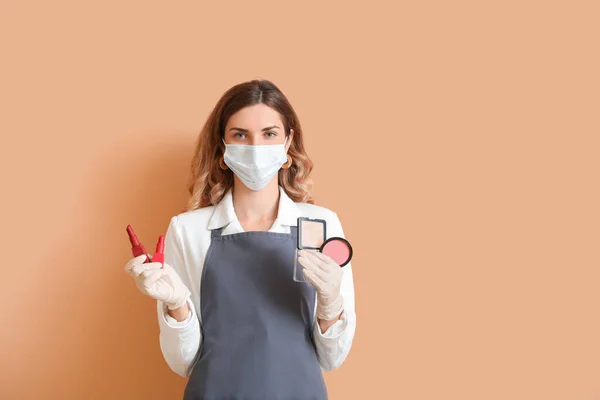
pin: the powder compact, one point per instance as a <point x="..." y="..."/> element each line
<point x="311" y="235"/>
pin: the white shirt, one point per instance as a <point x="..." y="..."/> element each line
<point x="186" y="243"/>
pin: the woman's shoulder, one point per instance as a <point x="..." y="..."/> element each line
<point x="194" y="218"/>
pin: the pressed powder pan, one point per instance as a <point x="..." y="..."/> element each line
<point x="338" y="249"/>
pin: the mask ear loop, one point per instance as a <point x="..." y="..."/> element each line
<point x="285" y="141"/>
<point x="222" y="158"/>
<point x="288" y="162"/>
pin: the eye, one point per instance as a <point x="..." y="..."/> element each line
<point x="271" y="134"/>
<point x="239" y="135"/>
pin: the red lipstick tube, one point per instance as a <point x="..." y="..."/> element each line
<point x="137" y="249"/>
<point x="159" y="255"/>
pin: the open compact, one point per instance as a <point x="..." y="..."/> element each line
<point x="312" y="233"/>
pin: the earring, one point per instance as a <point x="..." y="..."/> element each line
<point x="222" y="163"/>
<point x="288" y="163"/>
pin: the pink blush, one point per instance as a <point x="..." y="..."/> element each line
<point x="338" y="250"/>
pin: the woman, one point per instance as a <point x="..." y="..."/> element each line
<point x="231" y="317"/>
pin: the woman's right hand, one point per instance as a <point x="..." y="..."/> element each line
<point x="159" y="283"/>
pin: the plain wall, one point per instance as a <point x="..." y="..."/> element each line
<point x="457" y="141"/>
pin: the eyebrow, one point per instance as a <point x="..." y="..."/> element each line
<point x="268" y="128"/>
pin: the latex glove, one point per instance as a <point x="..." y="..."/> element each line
<point x="159" y="283"/>
<point x="326" y="276"/>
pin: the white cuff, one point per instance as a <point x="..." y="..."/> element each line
<point x="333" y="333"/>
<point x="172" y="322"/>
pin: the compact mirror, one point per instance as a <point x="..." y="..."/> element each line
<point x="311" y="233"/>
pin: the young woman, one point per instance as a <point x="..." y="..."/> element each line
<point x="231" y="316"/>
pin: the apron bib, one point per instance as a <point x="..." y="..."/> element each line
<point x="256" y="321"/>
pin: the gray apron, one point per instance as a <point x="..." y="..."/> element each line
<point x="256" y="321"/>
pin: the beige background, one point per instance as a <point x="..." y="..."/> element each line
<point x="457" y="141"/>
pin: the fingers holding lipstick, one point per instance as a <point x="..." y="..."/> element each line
<point x="159" y="281"/>
<point x="139" y="260"/>
<point x="145" y="270"/>
<point x="151" y="282"/>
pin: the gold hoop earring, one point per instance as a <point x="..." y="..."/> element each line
<point x="288" y="163"/>
<point x="222" y="163"/>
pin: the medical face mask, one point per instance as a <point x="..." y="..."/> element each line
<point x="255" y="165"/>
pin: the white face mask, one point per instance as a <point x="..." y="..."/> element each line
<point x="255" y="165"/>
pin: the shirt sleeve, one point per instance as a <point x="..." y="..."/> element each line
<point x="334" y="345"/>
<point x="179" y="340"/>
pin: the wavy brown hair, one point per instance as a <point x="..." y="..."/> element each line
<point x="208" y="183"/>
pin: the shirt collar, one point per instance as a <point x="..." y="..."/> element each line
<point x="224" y="213"/>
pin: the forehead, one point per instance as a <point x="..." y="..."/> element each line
<point x="257" y="116"/>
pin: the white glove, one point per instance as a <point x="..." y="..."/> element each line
<point x="326" y="276"/>
<point x="159" y="283"/>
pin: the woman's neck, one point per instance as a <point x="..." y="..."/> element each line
<point x="256" y="207"/>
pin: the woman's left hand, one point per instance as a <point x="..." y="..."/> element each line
<point x="326" y="276"/>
